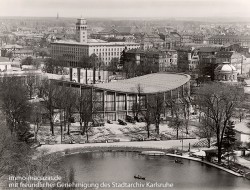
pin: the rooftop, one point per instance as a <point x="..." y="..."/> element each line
<point x="152" y="83"/>
<point x="242" y="127"/>
<point x="93" y="42"/>
<point x="12" y="46"/>
<point x="224" y="54"/>
<point x="225" y="67"/>
<point x="208" y="49"/>
<point x="229" y="37"/>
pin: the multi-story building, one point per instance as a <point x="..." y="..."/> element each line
<point x="172" y="39"/>
<point x="232" y="58"/>
<point x="125" y="33"/>
<point x="204" y="52"/>
<point x="232" y="39"/>
<point x="72" y="51"/>
<point x="186" y="38"/>
<point x="148" y="41"/>
<point x="188" y="58"/>
<point x="163" y="59"/>
<point x="198" y="38"/>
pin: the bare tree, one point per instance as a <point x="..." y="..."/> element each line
<point x="31" y="83"/>
<point x="49" y="93"/>
<point x="84" y="106"/>
<point x="177" y="121"/>
<point x="36" y="117"/>
<point x="87" y="107"/>
<point x="218" y="102"/>
<point x="156" y="105"/>
<point x="137" y="105"/>
<point x="206" y="130"/>
<point x="69" y="100"/>
<point x="88" y="63"/>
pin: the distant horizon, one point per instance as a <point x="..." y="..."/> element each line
<point x="212" y="18"/>
<point x="126" y="8"/>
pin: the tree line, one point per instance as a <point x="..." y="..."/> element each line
<point x="17" y="157"/>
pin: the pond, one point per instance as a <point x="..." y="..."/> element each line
<point x="116" y="170"/>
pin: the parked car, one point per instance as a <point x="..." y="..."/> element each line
<point x="130" y="119"/>
<point x="121" y="122"/>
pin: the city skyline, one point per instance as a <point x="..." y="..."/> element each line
<point x="126" y="8"/>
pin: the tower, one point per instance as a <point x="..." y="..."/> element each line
<point x="81" y="30"/>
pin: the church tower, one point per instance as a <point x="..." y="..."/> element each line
<point x="81" y="30"/>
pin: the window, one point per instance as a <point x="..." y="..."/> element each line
<point x="98" y="100"/>
<point x="110" y="116"/>
<point x="120" y="102"/>
<point x="131" y="101"/>
<point x="110" y="102"/>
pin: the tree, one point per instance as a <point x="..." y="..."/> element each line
<point x="32" y="84"/>
<point x="49" y="93"/>
<point x="16" y="107"/>
<point x="27" y="61"/>
<point x="30" y="61"/>
<point x="130" y="69"/>
<point x="206" y="129"/>
<point x="54" y="66"/>
<point x="113" y="66"/>
<point x="156" y="106"/>
<point x="84" y="107"/>
<point x="186" y="104"/>
<point x="229" y="140"/>
<point x="177" y="121"/>
<point x="87" y="105"/>
<point x="93" y="61"/>
<point x="9" y="54"/>
<point x="137" y="105"/>
<point x="148" y="117"/>
<point x="87" y="63"/>
<point x="123" y="57"/>
<point x="43" y="52"/>
<point x="68" y="100"/>
<point x="218" y="102"/>
<point x="36" y="117"/>
<point x="14" y="154"/>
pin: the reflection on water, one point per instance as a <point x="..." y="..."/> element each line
<point x="108" y="167"/>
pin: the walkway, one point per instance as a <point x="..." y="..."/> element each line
<point x="205" y="162"/>
<point x="141" y="144"/>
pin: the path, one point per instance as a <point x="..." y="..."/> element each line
<point x="142" y="144"/>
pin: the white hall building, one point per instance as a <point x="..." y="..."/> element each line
<point x="72" y="51"/>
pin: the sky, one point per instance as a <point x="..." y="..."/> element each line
<point x="126" y="8"/>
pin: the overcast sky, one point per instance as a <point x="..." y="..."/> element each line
<point x="126" y="8"/>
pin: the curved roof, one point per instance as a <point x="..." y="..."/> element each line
<point x="225" y="68"/>
<point x="151" y="83"/>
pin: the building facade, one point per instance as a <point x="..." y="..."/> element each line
<point x="232" y="57"/>
<point x="115" y="100"/>
<point x="225" y="72"/>
<point x="188" y="59"/>
<point x="73" y="51"/>
<point x="163" y="59"/>
<point x="232" y="39"/>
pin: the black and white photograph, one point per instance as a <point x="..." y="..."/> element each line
<point x="124" y="94"/>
